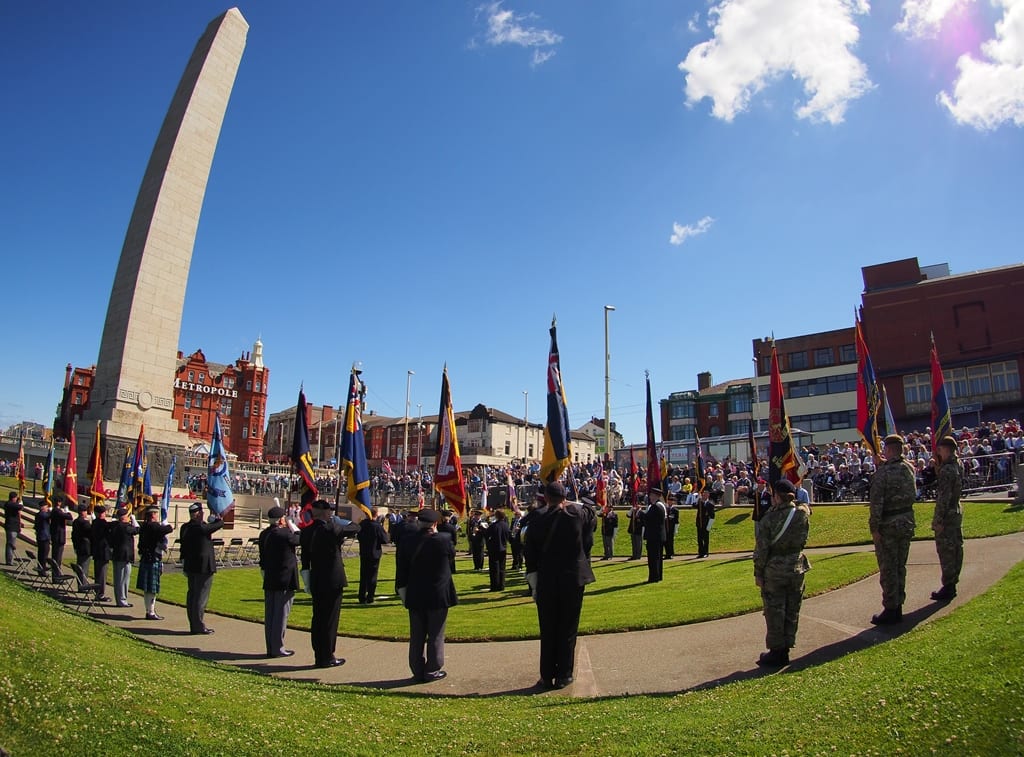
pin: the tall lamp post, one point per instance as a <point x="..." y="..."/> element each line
<point x="607" y="400"/>
<point x="419" y="436"/>
<point x="405" y="438"/>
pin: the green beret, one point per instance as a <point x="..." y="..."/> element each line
<point x="894" y="439"/>
<point x="947" y="441"/>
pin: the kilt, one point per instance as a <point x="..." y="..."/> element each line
<point x="148" y="576"/>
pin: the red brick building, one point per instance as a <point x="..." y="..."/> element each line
<point x="975" y="318"/>
<point x="201" y="390"/>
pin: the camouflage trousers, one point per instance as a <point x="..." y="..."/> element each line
<point x="892" y="547"/>
<point x="949" y="543"/>
<point x="782" y="596"/>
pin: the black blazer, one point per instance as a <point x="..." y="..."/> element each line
<point x="497" y="537"/>
<point x="197" y="546"/>
<point x="556" y="544"/>
<point x="277" y="558"/>
<point x="371" y="536"/>
<point x="100" y="545"/>
<point x="12" y="517"/>
<point x="81" y="531"/>
<point x="153" y="540"/>
<point x="122" y="541"/>
<point x="654" y="521"/>
<point x="321" y="556"/>
<point x="42" y="526"/>
<point x="59" y="519"/>
<point x="424" y="569"/>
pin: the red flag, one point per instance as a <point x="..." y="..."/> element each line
<point x="96" y="493"/>
<point x="448" y="478"/>
<point x="867" y="393"/>
<point x="19" y="466"/>
<point x="70" y="474"/>
<point x="601" y="490"/>
<point x="634" y="479"/>
<point x="653" y="467"/>
<point x="782" y="459"/>
<point x="698" y="467"/>
<point x="942" y="424"/>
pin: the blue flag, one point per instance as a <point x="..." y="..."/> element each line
<point x="140" y="486"/>
<point x="48" y="477"/>
<point x="165" y="499"/>
<point x="124" y="487"/>
<point x="303" y="462"/>
<point x="218" y="481"/>
<point x="557" y="445"/>
<point x="353" y="450"/>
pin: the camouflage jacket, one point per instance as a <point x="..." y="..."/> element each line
<point x="893" y="491"/>
<point x="948" y="485"/>
<point x="786" y="554"/>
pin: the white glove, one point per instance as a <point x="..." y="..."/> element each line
<point x="305" y="580"/>
<point x="133" y="521"/>
<point x="292" y="527"/>
<point x="401" y="593"/>
<point x="531" y="581"/>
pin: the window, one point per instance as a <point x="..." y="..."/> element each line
<point x="847" y="382"/>
<point x="917" y="389"/>
<point x="713" y="431"/>
<point x="739" y="403"/>
<point x="713" y="410"/>
<point x="188" y="401"/>
<point x="766" y="365"/>
<point x="225" y="407"/>
<point x="198" y="402"/>
<point x="955" y="380"/>
<point x="248" y="386"/>
<point x="245" y="432"/>
<point x="797" y="360"/>
<point x="508" y="448"/>
<point x="225" y="432"/>
<point x="184" y="423"/>
<point x="257" y="386"/>
<point x="256" y="435"/>
<point x="739" y="427"/>
<point x="229" y="383"/>
<point x="202" y="378"/>
<point x="824" y="356"/>
<point x="78" y="398"/>
<point x="191" y="376"/>
<point x="195" y="424"/>
<point x="848" y="353"/>
<point x="476" y="425"/>
<point x="681" y="433"/>
<point x="529" y="452"/>
<point x="685" y="409"/>
<point x="1005" y="377"/>
<point x="979" y="381"/>
<point x="763" y="392"/>
<point x="245" y="410"/>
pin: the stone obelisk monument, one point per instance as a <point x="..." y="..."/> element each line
<point x="134" y="381"/>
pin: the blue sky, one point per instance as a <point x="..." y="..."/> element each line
<point x="408" y="184"/>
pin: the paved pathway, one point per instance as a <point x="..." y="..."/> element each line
<point x="685" y="657"/>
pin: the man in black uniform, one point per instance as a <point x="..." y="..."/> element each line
<point x="199" y="563"/>
<point x="556" y="548"/>
<point x="372" y="537"/>
<point x="42" y="526"/>
<point x="12" y="524"/>
<point x="280" y="578"/>
<point x="152" y="545"/>
<point x="59" y="519"/>
<point x="424" y="579"/>
<point x="81" y="539"/>
<point x="497" y="536"/>
<point x="636" y="531"/>
<point x="100" y="550"/>
<point x="654" y="529"/>
<point x="705" y="515"/>
<point x="321" y="556"/>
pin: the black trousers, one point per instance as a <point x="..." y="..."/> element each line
<point x="703" y="541"/>
<point x="655" y="560"/>
<point x="496" y="569"/>
<point x="426" y="631"/>
<point x="558" y="611"/>
<point x="368" y="568"/>
<point x="196" y="597"/>
<point x="323" y="629"/>
<point x="477" y="550"/>
<point x="99" y="574"/>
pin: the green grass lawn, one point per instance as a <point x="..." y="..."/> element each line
<point x="73" y="686"/>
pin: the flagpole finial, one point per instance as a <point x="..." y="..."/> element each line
<point x="647" y="374"/>
<point x="554" y="321"/>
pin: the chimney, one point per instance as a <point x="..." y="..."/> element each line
<point x="703" y="380"/>
<point x="67" y="376"/>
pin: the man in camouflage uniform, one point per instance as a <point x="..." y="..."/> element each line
<point x="893" y="490"/>
<point x="948" y="519"/>
<point x="779" y="567"/>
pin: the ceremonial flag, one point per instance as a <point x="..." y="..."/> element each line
<point x="218" y="480"/>
<point x="124" y="486"/>
<point x="663" y="463"/>
<point x="557" y="445"/>
<point x="71" y="473"/>
<point x="165" y="498"/>
<point x="510" y="491"/>
<point x="634" y="479"/>
<point x="387" y="468"/>
<point x="698" y="464"/>
<point x="653" y="468"/>
<point x="448" y="478"/>
<point x="97" y="495"/>
<point x="483" y="494"/>
<point x="19" y="466"/>
<point x="141" y="487"/>
<point x="867" y="393"/>
<point x="782" y="458"/>
<point x="48" y="475"/>
<point x="889" y="426"/>
<point x="353" y="450"/>
<point x="942" y="424"/>
<point x="601" y="489"/>
<point x="753" y="451"/>
<point x="303" y="462"/>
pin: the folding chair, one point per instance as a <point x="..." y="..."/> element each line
<point x="33" y="573"/>
<point x="59" y="579"/>
<point x="234" y="551"/>
<point x="218" y="552"/>
<point x="21" y="566"/>
<point x="85" y="590"/>
<point x="251" y="555"/>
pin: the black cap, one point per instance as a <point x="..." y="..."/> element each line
<point x="276" y="513"/>
<point x="120" y="512"/>
<point x="82" y="508"/>
<point x="426" y="515"/>
<point x="98" y="510"/>
<point x="657" y="489"/>
<point x="894" y="439"/>
<point x="195" y="507"/>
<point x="784" y="486"/>
<point x="948" y="441"/>
<point x="12" y="496"/>
<point x="322" y="504"/>
<point x="554" y="489"/>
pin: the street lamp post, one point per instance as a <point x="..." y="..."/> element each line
<point x="526" y="420"/>
<point x="607" y="396"/>
<point x="405" y="438"/>
<point x="419" y="436"/>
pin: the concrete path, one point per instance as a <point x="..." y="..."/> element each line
<point x="685" y="657"/>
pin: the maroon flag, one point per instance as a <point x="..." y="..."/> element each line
<point x="653" y="466"/>
<point x="782" y="459"/>
<point x="448" y="477"/>
<point x="70" y="473"/>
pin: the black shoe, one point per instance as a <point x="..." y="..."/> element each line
<point x="774" y="658"/>
<point x="153" y="616"/>
<point x="282" y="653"/>
<point x="561" y="683"/>
<point x="542" y="684"/>
<point x="125" y="604"/>
<point x="887" y="617"/>
<point x="102" y="598"/>
<point x="437" y="675"/>
<point x="944" y="594"/>
<point x="332" y="663"/>
<point x="202" y="631"/>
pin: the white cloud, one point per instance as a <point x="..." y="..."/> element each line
<point x="506" y="27"/>
<point x="990" y="92"/>
<point x="923" y="18"/>
<point x="694" y="23"/>
<point x="758" y="41"/>
<point x="681" y="233"/>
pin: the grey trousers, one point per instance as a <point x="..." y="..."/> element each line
<point x="196" y="597"/>
<point x="426" y="629"/>
<point x="276" y="607"/>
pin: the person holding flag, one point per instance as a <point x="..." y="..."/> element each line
<point x="12" y="525"/>
<point x="947" y="523"/>
<point x="354" y="470"/>
<point x="302" y="463"/>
